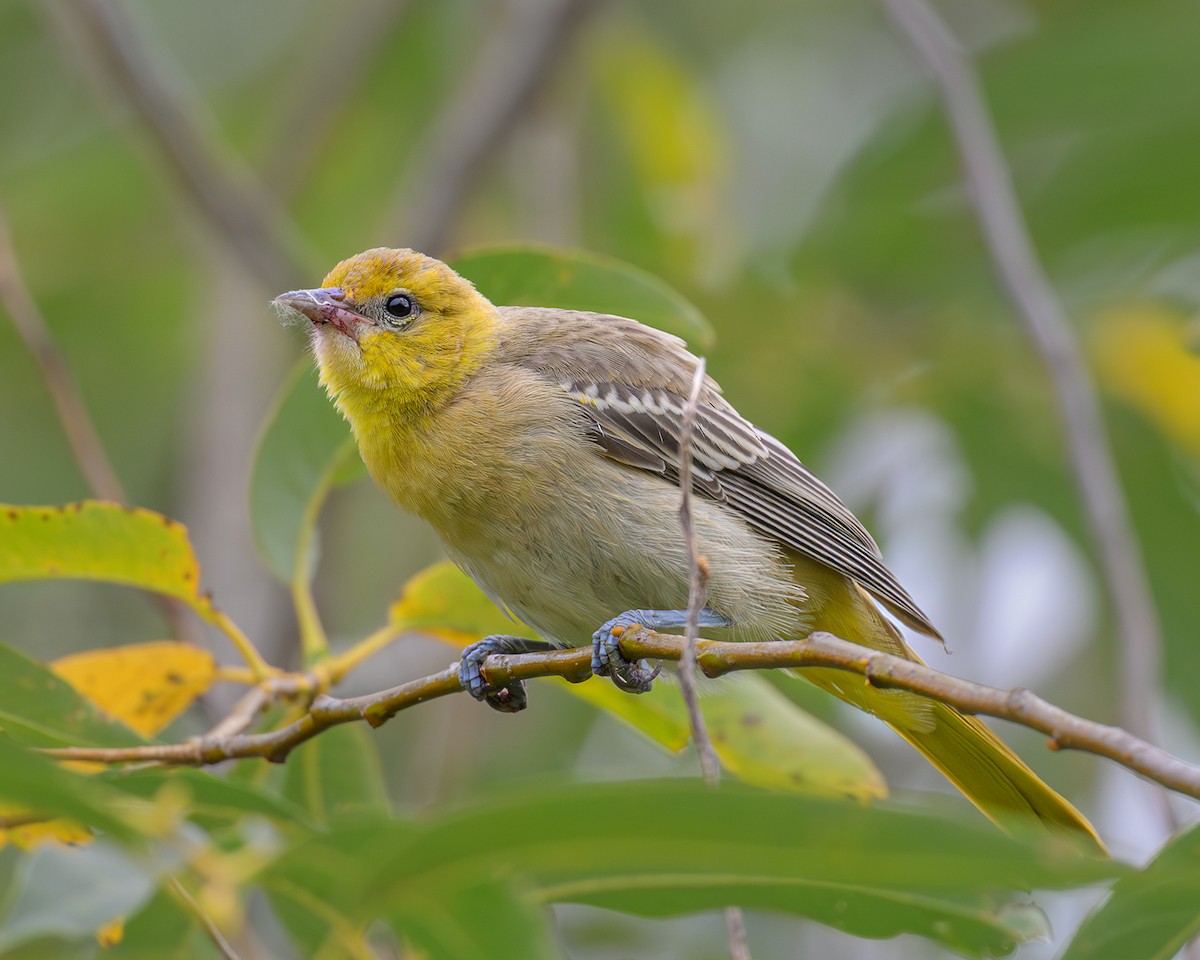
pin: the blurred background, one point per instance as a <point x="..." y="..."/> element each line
<point x="168" y="167"/>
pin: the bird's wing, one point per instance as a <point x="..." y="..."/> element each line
<point x="633" y="381"/>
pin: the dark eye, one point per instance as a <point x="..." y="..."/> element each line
<point x="400" y="306"/>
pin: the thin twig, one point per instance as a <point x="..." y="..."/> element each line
<point x="1024" y="279"/>
<point x="710" y="764"/>
<point x="213" y="931"/>
<point x="73" y="414"/>
<point x="320" y="98"/>
<point x="208" y="173"/>
<point x="1065" y="730"/>
<point x="697" y="584"/>
<point x="470" y="130"/>
<point x="82" y="436"/>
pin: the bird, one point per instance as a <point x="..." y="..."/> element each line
<point x="543" y="446"/>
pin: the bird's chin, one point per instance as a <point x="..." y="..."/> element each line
<point x="335" y="350"/>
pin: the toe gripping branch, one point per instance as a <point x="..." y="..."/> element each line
<point x="631" y="676"/>
<point x="508" y="699"/>
<point x="607" y="661"/>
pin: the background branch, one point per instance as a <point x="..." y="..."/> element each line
<point x="470" y="129"/>
<point x="710" y="764"/>
<point x="221" y="189"/>
<point x="1065" y="730"/>
<point x="73" y="414"/>
<point x="1025" y="281"/>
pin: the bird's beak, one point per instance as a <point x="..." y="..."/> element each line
<point x="324" y="305"/>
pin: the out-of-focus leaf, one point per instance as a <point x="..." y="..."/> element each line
<point x="541" y="276"/>
<point x="161" y="930"/>
<point x="111" y="933"/>
<point x="473" y="921"/>
<point x="1142" y="355"/>
<point x="686" y="848"/>
<point x="92" y="540"/>
<point x="73" y="892"/>
<point x="32" y="834"/>
<point x="766" y="740"/>
<point x="319" y="908"/>
<point x="761" y="736"/>
<point x="43" y="710"/>
<point x="145" y="685"/>
<point x="1150" y="915"/>
<point x="35" y="783"/>
<point x="207" y="795"/>
<point x="304" y="450"/>
<point x="671" y="131"/>
<point x="336" y="774"/>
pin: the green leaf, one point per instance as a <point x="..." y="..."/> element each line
<point x="92" y="540"/>
<point x="766" y="740"/>
<point x="318" y="892"/>
<point x="161" y="930"/>
<point x="663" y="848"/>
<point x="534" y="275"/>
<point x="336" y="774"/>
<point x="1151" y="914"/>
<point x="305" y="449"/>
<point x="761" y="736"/>
<point x="40" y="709"/>
<point x="472" y="922"/>
<point x="208" y="795"/>
<point x="41" y="785"/>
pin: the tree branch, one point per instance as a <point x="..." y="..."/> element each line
<point x="1025" y="281"/>
<point x="218" y="185"/>
<point x="710" y="764"/>
<point x="697" y="584"/>
<point x="470" y="130"/>
<point x="1065" y="730"/>
<point x="73" y="414"/>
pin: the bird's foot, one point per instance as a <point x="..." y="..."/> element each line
<point x="507" y="699"/>
<point x="635" y="676"/>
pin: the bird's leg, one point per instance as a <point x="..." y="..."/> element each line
<point x="509" y="699"/>
<point x="628" y="675"/>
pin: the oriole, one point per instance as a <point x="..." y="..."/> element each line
<point x="543" y="447"/>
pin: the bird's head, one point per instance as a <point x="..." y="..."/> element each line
<point x="394" y="325"/>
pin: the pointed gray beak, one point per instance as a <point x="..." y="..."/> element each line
<point x="323" y="305"/>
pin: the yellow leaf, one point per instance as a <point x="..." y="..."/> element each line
<point x="761" y="737"/>
<point x="25" y="831"/>
<point x="145" y="685"/>
<point x="99" y="541"/>
<point x="1141" y="353"/>
<point x="111" y="933"/>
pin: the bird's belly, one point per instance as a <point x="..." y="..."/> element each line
<point x="574" y="563"/>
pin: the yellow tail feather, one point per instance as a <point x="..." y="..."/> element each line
<point x="973" y="758"/>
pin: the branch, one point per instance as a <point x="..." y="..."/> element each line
<point x="697" y="584"/>
<point x="471" y="129"/>
<point x="220" y="187"/>
<point x="82" y="436"/>
<point x="1065" y="730"/>
<point x="73" y="414"/>
<point x="321" y="98"/>
<point x="698" y="573"/>
<point x="1024" y="279"/>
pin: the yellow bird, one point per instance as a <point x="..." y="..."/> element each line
<point x="542" y="445"/>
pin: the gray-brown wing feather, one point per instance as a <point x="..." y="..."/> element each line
<point x="632" y="382"/>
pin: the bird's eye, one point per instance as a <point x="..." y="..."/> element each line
<point x="400" y="306"/>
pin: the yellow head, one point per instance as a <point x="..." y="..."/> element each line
<point x="394" y="328"/>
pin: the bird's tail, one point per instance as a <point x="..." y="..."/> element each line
<point x="973" y="758"/>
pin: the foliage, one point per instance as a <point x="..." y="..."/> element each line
<point x="785" y="168"/>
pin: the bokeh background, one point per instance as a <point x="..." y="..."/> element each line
<point x="785" y="165"/>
